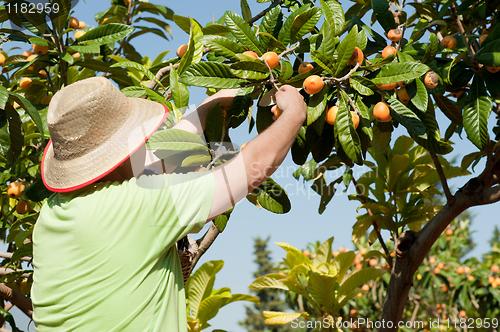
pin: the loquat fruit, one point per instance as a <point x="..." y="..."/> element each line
<point x="74" y="23"/>
<point x="449" y="42"/>
<point x="2" y="59"/>
<point x="251" y="54"/>
<point x="25" y="83"/>
<point x="394" y="35"/>
<point x="431" y="80"/>
<point x="387" y="87"/>
<point x="331" y="114"/>
<point x="494" y="268"/>
<point x="272" y="59"/>
<point x="79" y="33"/>
<point x="181" y="50"/>
<point x="313" y="84"/>
<point x="276" y="111"/>
<point x="14" y="189"/>
<point x="40" y="50"/>
<point x="305" y="67"/>
<point x="381" y="112"/>
<point x="492" y="70"/>
<point x="356" y="57"/>
<point x="388" y="50"/>
<point x="22" y="207"/>
<point x="403" y="96"/>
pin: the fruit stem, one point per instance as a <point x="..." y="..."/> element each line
<point x="298" y="57"/>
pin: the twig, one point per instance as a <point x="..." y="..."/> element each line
<point x="449" y="197"/>
<point x="289" y="50"/>
<point x="330" y="80"/>
<point x="217" y="154"/>
<point x="375" y="226"/>
<point x="298" y="57"/>
<point x="205" y="242"/>
<point x="129" y="21"/>
<point x="262" y="13"/>
<point x="21" y="301"/>
<point x="461" y="28"/>
<point x="8" y="255"/>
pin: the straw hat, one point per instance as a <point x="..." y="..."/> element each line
<point x="93" y="129"/>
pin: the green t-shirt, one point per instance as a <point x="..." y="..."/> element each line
<point x="105" y="257"/>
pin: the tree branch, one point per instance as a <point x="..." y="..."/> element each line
<point x="461" y="28"/>
<point x="449" y="197"/>
<point x="262" y="13"/>
<point x="8" y="255"/>
<point x="205" y="242"/>
<point x="19" y="300"/>
<point x="375" y="226"/>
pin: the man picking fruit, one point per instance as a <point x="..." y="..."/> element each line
<point x="104" y="245"/>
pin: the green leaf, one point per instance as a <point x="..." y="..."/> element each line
<point x="272" y="280"/>
<point x="194" y="52"/>
<point x="4" y="96"/>
<point x="180" y="93"/>
<point x="334" y="15"/>
<point x="15" y="134"/>
<point x="104" y="34"/>
<point x="321" y="60"/>
<point x="405" y="116"/>
<point x="359" y="83"/>
<point x="431" y="50"/>
<point x="284" y="35"/>
<point x="317" y="105"/>
<point x="90" y="48"/>
<point x="490" y="54"/>
<point x="39" y="41"/>
<point x="279" y="318"/>
<point x="215" y="125"/>
<point x="476" y="113"/>
<point x="345" y="131"/>
<point x="449" y="108"/>
<point x="323" y="253"/>
<point x="24" y="250"/>
<point x="303" y="23"/>
<point x="418" y="94"/>
<point x="242" y="31"/>
<point x="143" y="69"/>
<point x="361" y="226"/>
<point x="176" y="140"/>
<point x="211" y="75"/>
<point x="37" y="191"/>
<point x="215" y="29"/>
<point x="222" y="46"/>
<point x="400" y="71"/>
<point x="270" y="24"/>
<point x="245" y="10"/>
<point x="30" y="109"/>
<point x="358" y="278"/>
<point x="273" y="197"/>
<point x="323" y="288"/>
<point x="200" y="284"/>
<point x="250" y="70"/>
<point x="383" y="15"/>
<point x="345" y="50"/>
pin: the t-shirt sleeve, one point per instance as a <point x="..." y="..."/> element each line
<point x="184" y="197"/>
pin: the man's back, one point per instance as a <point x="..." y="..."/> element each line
<point x="106" y="258"/>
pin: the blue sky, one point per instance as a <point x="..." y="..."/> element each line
<point x="302" y="224"/>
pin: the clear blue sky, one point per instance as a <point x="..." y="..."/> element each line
<point x="302" y="224"/>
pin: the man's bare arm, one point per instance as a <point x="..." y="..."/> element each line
<point x="262" y="156"/>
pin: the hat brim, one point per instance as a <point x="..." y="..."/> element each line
<point x="68" y="175"/>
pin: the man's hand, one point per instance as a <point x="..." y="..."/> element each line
<point x="288" y="99"/>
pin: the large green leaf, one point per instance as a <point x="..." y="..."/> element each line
<point x="384" y="16"/>
<point x="211" y="75"/>
<point x="222" y="46"/>
<point x="180" y="93"/>
<point x="405" y="116"/>
<point x="250" y="70"/>
<point x="304" y="23"/>
<point x="194" y="52"/>
<point x="362" y="85"/>
<point x="358" y="278"/>
<point x="272" y="280"/>
<point x="176" y="140"/>
<point x="273" y="197"/>
<point x="347" y="135"/>
<point x="200" y="284"/>
<point x="433" y="142"/>
<point x="270" y="24"/>
<point x="431" y="50"/>
<point x="30" y="109"/>
<point x="104" y="34"/>
<point x="476" y="113"/>
<point x="242" y="31"/>
<point x="323" y="253"/>
<point x="15" y="134"/>
<point x="284" y="35"/>
<point x="143" y="69"/>
<point x="323" y="288"/>
<point x="418" y="94"/>
<point x="345" y="50"/>
<point x="245" y="10"/>
<point x="334" y="15"/>
<point x="449" y="108"/>
<point x="317" y="104"/>
<point x="279" y="318"/>
<point x="215" y="29"/>
<point x="400" y="71"/>
<point x="490" y="54"/>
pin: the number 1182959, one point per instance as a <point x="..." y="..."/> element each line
<point x="31" y="8"/>
<point x="472" y="323"/>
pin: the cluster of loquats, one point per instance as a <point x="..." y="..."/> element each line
<point x="14" y="190"/>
